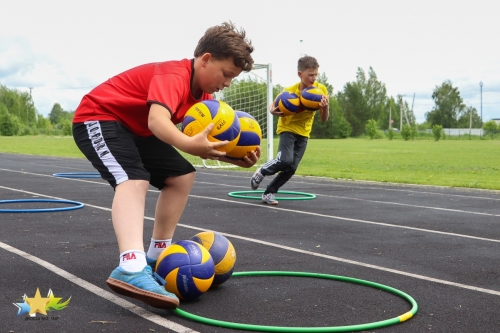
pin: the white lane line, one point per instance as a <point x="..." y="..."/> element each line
<point x="377" y="186"/>
<point x="353" y="262"/>
<point x="141" y="312"/>
<point x="383" y="202"/>
<point x="282" y="209"/>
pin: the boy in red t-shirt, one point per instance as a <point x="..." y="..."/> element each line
<point x="126" y="128"/>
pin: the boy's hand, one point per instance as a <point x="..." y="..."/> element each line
<point x="200" y="146"/>
<point x="275" y="110"/>
<point x="247" y="161"/>
<point x="325" y="100"/>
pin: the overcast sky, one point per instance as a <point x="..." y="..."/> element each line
<point x="64" y="48"/>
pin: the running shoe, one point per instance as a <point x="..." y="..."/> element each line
<point x="145" y="286"/>
<point x="256" y="179"/>
<point x="269" y="199"/>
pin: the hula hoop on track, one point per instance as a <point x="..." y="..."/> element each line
<point x="77" y="205"/>
<point x="299" y="195"/>
<point x="77" y="175"/>
<point x="350" y="328"/>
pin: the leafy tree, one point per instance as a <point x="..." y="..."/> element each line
<point x="448" y="106"/>
<point x="67" y="127"/>
<point x="56" y="114"/>
<point x="355" y="107"/>
<point x="324" y="81"/>
<point x="465" y="118"/>
<point x="490" y="128"/>
<point x="364" y="99"/>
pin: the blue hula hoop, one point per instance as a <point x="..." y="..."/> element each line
<point x="77" y="175"/>
<point x="77" y="205"/>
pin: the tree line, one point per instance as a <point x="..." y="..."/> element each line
<point x="18" y="116"/>
<point x="361" y="107"/>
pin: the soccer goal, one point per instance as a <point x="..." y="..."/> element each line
<point x="252" y="93"/>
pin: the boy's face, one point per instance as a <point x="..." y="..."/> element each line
<point x="309" y="76"/>
<point x="217" y="74"/>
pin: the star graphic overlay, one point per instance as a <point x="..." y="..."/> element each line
<point x="38" y="304"/>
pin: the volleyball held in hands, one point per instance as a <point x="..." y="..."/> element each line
<point x="250" y="136"/>
<point x="225" y="120"/>
<point x="222" y="252"/>
<point x="311" y="97"/>
<point x="288" y="103"/>
<point x="188" y="269"/>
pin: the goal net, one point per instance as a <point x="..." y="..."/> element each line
<point x="252" y="93"/>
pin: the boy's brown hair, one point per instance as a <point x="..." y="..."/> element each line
<point x="225" y="41"/>
<point x="307" y="62"/>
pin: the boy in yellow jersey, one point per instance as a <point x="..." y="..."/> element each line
<point x="294" y="132"/>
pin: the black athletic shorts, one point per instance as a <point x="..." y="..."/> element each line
<point x="120" y="155"/>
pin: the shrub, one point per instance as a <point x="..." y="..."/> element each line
<point x="436" y="131"/>
<point x="390" y="133"/>
<point x="406" y="132"/>
<point x="371" y="128"/>
<point x="9" y="124"/>
<point x="490" y="128"/>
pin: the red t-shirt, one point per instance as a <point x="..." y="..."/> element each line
<point x="127" y="97"/>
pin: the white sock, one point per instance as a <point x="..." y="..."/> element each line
<point x="157" y="246"/>
<point x="133" y="260"/>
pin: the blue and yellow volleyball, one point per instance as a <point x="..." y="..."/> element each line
<point x="222" y="252"/>
<point x="311" y="97"/>
<point x="188" y="269"/>
<point x="250" y="136"/>
<point x="288" y="103"/>
<point x="227" y="124"/>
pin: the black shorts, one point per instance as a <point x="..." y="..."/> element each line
<point x="120" y="155"/>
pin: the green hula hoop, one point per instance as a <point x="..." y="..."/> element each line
<point x="301" y="195"/>
<point x="350" y="328"/>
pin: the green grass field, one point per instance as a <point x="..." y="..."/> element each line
<point x="458" y="163"/>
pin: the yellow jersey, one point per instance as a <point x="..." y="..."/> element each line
<point x="301" y="122"/>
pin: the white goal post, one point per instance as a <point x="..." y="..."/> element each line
<point x="252" y="93"/>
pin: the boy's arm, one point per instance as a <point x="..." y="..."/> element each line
<point x="162" y="127"/>
<point x="324" y="111"/>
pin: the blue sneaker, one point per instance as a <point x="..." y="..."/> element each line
<point x="145" y="286"/>
<point x="269" y="199"/>
<point x="151" y="263"/>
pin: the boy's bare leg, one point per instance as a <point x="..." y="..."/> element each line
<point x="128" y="214"/>
<point x="170" y="205"/>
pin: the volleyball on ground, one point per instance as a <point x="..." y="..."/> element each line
<point x="288" y="103"/>
<point x="250" y="136"/>
<point x="311" y="97"/>
<point x="222" y="252"/>
<point x="227" y="124"/>
<point x="187" y="267"/>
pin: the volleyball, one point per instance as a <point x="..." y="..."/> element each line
<point x="250" y="136"/>
<point x="288" y="103"/>
<point x="310" y="98"/>
<point x="188" y="269"/>
<point x="227" y="124"/>
<point x="222" y="252"/>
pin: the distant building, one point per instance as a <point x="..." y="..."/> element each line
<point x="496" y="120"/>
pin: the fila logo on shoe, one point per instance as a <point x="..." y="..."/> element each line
<point x="160" y="245"/>
<point x="128" y="256"/>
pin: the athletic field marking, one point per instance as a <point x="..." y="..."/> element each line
<point x="141" y="312"/>
<point x="303" y="212"/>
<point x="379" y="186"/>
<point x="353" y="262"/>
<point x="383" y="202"/>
